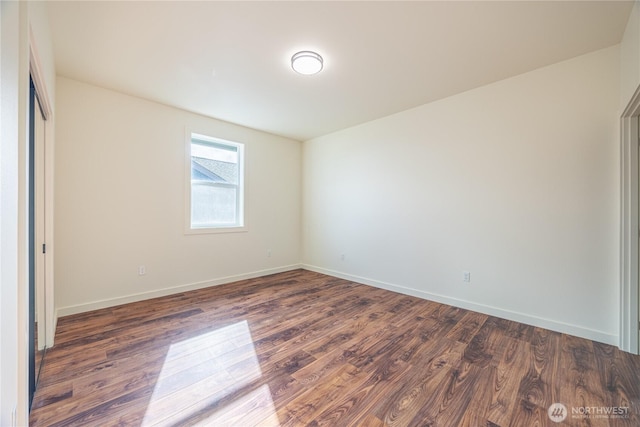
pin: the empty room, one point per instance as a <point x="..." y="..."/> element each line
<point x="305" y="213"/>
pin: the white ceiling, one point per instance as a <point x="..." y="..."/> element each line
<point x="230" y="60"/>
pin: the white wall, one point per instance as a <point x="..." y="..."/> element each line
<point x="516" y="182"/>
<point x="41" y="33"/>
<point x="630" y="57"/>
<point x="12" y="121"/>
<point x="22" y="24"/>
<point x="120" y="191"/>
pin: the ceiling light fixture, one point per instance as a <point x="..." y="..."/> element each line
<point x="307" y="62"/>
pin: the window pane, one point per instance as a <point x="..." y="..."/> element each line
<point x="216" y="175"/>
<point x="212" y="205"/>
<point x="214" y="151"/>
<point x="205" y="169"/>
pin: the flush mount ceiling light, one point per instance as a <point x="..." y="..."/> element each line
<point x="306" y="62"/>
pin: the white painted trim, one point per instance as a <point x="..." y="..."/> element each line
<point x="49" y="166"/>
<point x="243" y="184"/>
<point x="14" y="313"/>
<point x="35" y="68"/>
<point x="37" y="75"/>
<point x="553" y="325"/>
<point x="112" y="302"/>
<point x="22" y="414"/>
<point x="629" y="227"/>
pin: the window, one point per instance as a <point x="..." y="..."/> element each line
<point x="216" y="184"/>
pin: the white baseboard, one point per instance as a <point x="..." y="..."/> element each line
<point x="553" y="325"/>
<point x="96" y="305"/>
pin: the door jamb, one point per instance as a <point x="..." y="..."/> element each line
<point x="629" y="226"/>
<point x="37" y="75"/>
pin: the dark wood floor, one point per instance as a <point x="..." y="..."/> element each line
<point x="301" y="348"/>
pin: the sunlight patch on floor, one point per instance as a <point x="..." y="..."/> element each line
<point x="199" y="373"/>
<point x="253" y="409"/>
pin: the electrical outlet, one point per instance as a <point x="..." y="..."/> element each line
<point x="342" y="257"/>
<point x="269" y="253"/>
<point x="466" y="277"/>
<point x="142" y="270"/>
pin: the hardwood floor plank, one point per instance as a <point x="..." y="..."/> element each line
<point x="538" y="390"/>
<point x="467" y="327"/>
<point x="304" y="349"/>
<point x="356" y="408"/>
<point x="620" y="380"/>
<point x="310" y="404"/>
<point x="415" y="391"/>
<point x="503" y="384"/>
<point x="450" y="398"/>
<point x="579" y="385"/>
<point x="477" y="410"/>
<point x="57" y="370"/>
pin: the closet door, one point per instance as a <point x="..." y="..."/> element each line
<point x="37" y="248"/>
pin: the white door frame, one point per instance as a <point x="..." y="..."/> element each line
<point x="37" y="75"/>
<point x="629" y="226"/>
<point x="39" y="198"/>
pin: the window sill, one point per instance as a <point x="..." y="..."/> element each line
<point x="216" y="230"/>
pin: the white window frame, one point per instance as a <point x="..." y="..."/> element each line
<point x="241" y="224"/>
